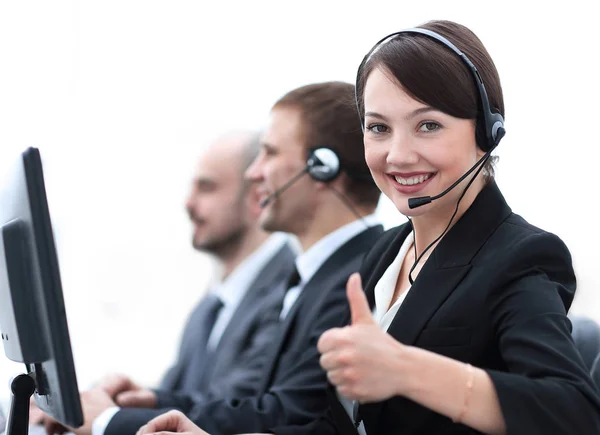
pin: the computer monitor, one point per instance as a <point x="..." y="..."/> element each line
<point x="33" y="321"/>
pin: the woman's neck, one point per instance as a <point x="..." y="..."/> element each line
<point x="429" y="226"/>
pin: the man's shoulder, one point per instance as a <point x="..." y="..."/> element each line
<point x="277" y="269"/>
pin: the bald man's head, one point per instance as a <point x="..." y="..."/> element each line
<point x="220" y="202"/>
<point x="238" y="149"/>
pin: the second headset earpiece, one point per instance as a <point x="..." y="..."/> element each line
<point x="323" y="164"/>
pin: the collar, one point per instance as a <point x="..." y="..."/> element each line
<point x="458" y="246"/>
<point x="310" y="261"/>
<point x="469" y="233"/>
<point x="233" y="288"/>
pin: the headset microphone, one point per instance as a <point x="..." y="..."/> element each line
<point x="491" y="120"/>
<point x="422" y="200"/>
<point x="322" y="164"/>
<point x="282" y="189"/>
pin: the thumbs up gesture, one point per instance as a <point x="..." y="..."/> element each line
<point x="361" y="360"/>
<point x="359" y="307"/>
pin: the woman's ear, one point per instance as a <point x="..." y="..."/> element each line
<point x="480" y="153"/>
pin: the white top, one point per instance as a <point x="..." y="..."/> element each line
<point x="231" y="291"/>
<point x="384" y="292"/>
<point x="309" y="262"/>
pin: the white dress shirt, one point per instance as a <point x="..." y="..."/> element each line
<point x="231" y="291"/>
<point x="309" y="262"/>
<point x="384" y="292"/>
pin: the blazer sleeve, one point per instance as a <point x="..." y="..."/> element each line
<point x="297" y="396"/>
<point x="546" y="388"/>
<point x="334" y="421"/>
<point x="176" y="399"/>
<point x="321" y="426"/>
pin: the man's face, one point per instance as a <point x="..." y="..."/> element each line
<point x="282" y="156"/>
<point x="217" y="203"/>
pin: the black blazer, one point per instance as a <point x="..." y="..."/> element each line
<point x="292" y="388"/>
<point x="494" y="293"/>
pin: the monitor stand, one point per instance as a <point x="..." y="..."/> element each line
<point x="22" y="388"/>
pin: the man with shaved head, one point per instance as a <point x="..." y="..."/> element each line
<point x="227" y="323"/>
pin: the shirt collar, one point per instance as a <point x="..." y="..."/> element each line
<point x="310" y="261"/>
<point x="233" y="288"/>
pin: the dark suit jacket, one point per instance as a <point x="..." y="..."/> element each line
<point x="293" y="385"/>
<point x="247" y="329"/>
<point x="494" y="293"/>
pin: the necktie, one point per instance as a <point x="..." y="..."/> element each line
<point x="356" y="414"/>
<point x="293" y="280"/>
<point x="288" y="299"/>
<point x="204" y="321"/>
<point x="213" y="307"/>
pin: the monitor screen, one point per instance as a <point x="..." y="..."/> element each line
<point x="33" y="321"/>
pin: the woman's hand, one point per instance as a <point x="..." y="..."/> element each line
<point x="361" y="360"/>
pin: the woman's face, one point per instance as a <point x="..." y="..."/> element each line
<point x="415" y="150"/>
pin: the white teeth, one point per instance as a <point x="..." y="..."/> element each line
<point x="412" y="180"/>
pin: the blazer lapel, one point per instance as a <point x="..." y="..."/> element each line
<point x="441" y="273"/>
<point x="274" y="349"/>
<point x="263" y="288"/>
<point x="429" y="291"/>
<point x="387" y="257"/>
<point x="316" y="289"/>
<point x="268" y="279"/>
<point x="446" y="267"/>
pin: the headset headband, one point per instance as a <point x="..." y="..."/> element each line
<point x="493" y="121"/>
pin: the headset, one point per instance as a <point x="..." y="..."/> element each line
<point x="322" y="164"/>
<point x="493" y="122"/>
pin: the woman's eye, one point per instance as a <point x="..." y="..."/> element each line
<point x="429" y="126"/>
<point x="377" y="128"/>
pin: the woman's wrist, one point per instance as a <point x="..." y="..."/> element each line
<point x="407" y="372"/>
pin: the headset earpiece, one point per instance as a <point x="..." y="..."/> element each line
<point x="323" y="164"/>
<point x="498" y="130"/>
<point x="493" y="122"/>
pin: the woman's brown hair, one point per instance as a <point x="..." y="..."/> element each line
<point x="434" y="75"/>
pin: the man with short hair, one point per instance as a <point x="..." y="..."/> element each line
<point x="224" y="210"/>
<point x="334" y="223"/>
<point x="229" y="320"/>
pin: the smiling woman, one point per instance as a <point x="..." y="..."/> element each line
<point x="479" y="341"/>
<point x="477" y="335"/>
<point x="122" y="97"/>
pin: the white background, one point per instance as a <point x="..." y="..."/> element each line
<point x="121" y="96"/>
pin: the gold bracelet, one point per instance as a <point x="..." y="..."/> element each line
<point x="470" y="381"/>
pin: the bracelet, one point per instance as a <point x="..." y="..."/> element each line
<point x="470" y="381"/>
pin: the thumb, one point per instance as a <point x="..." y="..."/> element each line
<point x="136" y="399"/>
<point x="359" y="307"/>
